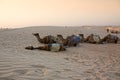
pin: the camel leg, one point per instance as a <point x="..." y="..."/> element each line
<point x="29" y="47"/>
<point x="33" y="48"/>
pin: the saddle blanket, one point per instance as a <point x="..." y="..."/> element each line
<point x="96" y="38"/>
<point x="55" y="47"/>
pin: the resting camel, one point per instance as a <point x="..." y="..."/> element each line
<point x="110" y="39"/>
<point x="48" y="47"/>
<point x="72" y="40"/>
<point x="113" y="30"/>
<point x="95" y="39"/>
<point x="46" y="40"/>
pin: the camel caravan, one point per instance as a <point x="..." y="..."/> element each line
<point x="58" y="43"/>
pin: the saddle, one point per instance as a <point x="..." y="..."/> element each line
<point x="55" y="47"/>
<point x="78" y="38"/>
<point x="74" y="40"/>
<point x="58" y="40"/>
<point x="113" y="37"/>
<point x="96" y="38"/>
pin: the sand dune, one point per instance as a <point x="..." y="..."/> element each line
<point x="84" y="62"/>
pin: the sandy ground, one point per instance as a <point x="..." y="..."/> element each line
<point x="84" y="62"/>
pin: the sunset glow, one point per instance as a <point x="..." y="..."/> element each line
<point x="20" y="13"/>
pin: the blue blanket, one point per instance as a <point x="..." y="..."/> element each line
<point x="75" y="39"/>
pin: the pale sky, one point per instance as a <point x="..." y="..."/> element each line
<point x="21" y="13"/>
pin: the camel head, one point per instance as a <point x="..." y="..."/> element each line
<point x="38" y="37"/>
<point x="35" y="34"/>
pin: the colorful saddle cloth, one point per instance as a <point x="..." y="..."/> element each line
<point x="55" y="47"/>
<point x="75" y="39"/>
<point x="96" y="38"/>
<point x="113" y="37"/>
<point x="78" y="38"/>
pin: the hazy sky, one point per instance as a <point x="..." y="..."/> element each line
<point x="20" y="13"/>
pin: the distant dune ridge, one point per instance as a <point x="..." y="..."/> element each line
<point x="84" y="62"/>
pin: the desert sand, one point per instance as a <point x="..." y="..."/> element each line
<point x="84" y="62"/>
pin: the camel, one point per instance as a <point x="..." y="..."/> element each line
<point x="46" y="40"/>
<point x="95" y="39"/>
<point x="72" y="40"/>
<point x="110" y="39"/>
<point x="55" y="47"/>
<point x="113" y="30"/>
